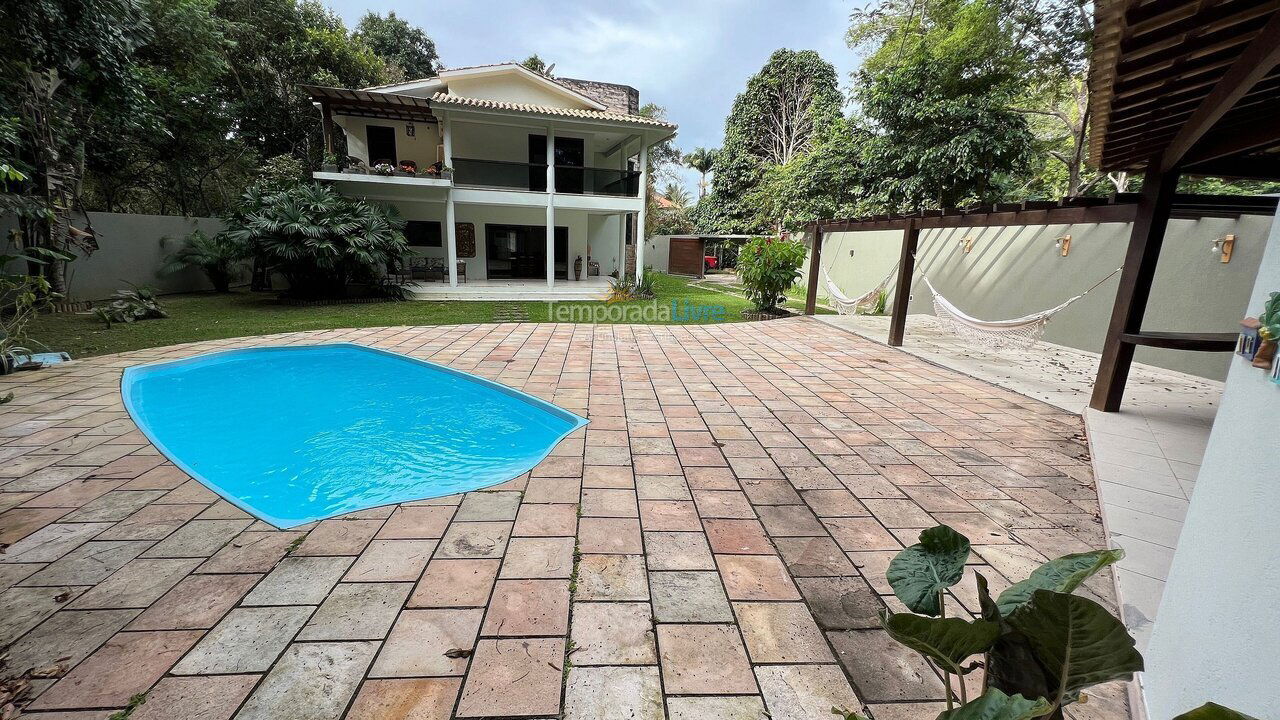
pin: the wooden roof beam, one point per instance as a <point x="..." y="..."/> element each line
<point x="1256" y="62"/>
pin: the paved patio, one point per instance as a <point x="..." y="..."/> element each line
<point x="712" y="545"/>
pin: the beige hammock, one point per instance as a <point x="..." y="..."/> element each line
<point x="846" y="305"/>
<point x="1019" y="333"/>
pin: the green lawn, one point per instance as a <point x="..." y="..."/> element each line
<point x="208" y="316"/>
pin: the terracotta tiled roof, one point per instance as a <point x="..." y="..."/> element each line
<point x="446" y="99"/>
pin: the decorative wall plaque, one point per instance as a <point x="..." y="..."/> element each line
<point x="465" y="236"/>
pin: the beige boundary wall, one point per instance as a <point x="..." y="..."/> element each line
<point x="1014" y="271"/>
<point x="132" y="249"/>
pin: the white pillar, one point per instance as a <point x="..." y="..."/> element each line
<point x="446" y="131"/>
<point x="551" y="207"/>
<point x="451" y="239"/>
<point x="622" y="245"/>
<point x="644" y="204"/>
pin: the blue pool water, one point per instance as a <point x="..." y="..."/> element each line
<point x="297" y="434"/>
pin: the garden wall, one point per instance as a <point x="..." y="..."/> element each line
<point x="1014" y="271"/>
<point x="131" y="249"/>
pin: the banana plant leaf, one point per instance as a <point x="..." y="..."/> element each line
<point x="1077" y="641"/>
<point x="995" y="705"/>
<point x="919" y="573"/>
<point x="1213" y="711"/>
<point x="1062" y="575"/>
<point x="947" y="641"/>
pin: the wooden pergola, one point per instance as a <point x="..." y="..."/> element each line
<point x="1178" y="87"/>
<point x="362" y="103"/>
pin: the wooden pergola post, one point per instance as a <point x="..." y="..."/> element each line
<point x="1145" y="240"/>
<point x="906" y="272"/>
<point x="326" y="126"/>
<point x="815" y="263"/>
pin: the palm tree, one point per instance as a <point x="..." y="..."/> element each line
<point x="701" y="159"/>
<point x="218" y="257"/>
<point x="538" y="65"/>
<point x="676" y="194"/>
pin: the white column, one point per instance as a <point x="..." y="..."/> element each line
<point x="622" y="245"/>
<point x="644" y="204"/>
<point x="551" y="208"/>
<point x="450" y="229"/>
<point x="446" y="131"/>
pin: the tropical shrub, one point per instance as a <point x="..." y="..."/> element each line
<point x="319" y="240"/>
<point x="632" y="288"/>
<point x="1042" y="647"/>
<point x="218" y="257"/>
<point x="768" y="267"/>
<point x="127" y="306"/>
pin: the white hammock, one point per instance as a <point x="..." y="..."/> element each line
<point x="1019" y="333"/>
<point x="846" y="305"/>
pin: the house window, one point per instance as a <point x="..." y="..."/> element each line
<point x="381" y="141"/>
<point x="423" y="233"/>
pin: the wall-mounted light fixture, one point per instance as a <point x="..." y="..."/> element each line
<point x="409" y="130"/>
<point x="1223" y="247"/>
<point x="1064" y="245"/>
<point x="968" y="244"/>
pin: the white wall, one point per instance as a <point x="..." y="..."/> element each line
<point x="513" y="89"/>
<point x="422" y="148"/>
<point x="1218" y="633"/>
<point x="657" y="252"/>
<point x="1013" y="271"/>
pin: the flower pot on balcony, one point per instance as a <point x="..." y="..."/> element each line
<point x="577" y="268"/>
<point x="330" y="168"/>
<point x="1266" y="353"/>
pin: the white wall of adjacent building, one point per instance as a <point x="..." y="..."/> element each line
<point x="1217" y="637"/>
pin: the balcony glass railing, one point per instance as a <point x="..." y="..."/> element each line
<point x="533" y="176"/>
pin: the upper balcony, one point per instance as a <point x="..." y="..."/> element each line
<point x="532" y="177"/>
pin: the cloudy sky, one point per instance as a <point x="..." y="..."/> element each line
<point x="690" y="56"/>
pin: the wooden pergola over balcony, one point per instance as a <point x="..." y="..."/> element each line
<point x="362" y="103"/>
<point x="1177" y="87"/>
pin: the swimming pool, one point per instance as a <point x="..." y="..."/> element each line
<point x="301" y="433"/>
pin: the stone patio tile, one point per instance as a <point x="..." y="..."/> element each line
<point x="129" y="663"/>
<point x="113" y="506"/>
<point x="137" y="584"/>
<point x="48" y="543"/>
<point x="198" y="602"/>
<point x="163" y="477"/>
<point x="90" y="563"/>
<point x="609" y="503"/>
<point x="405" y="699"/>
<point x="805" y="692"/>
<point x="42" y="480"/>
<point x="913" y="711"/>
<point x="790" y="521"/>
<point x="710" y="478"/>
<point x="153" y="522"/>
<point x="662" y="487"/>
<point x="873" y="566"/>
<point x="528" y="607"/>
<point x="13" y="573"/>
<point x="657" y="465"/>
<point x="900" y="514"/>
<point x="738" y="537"/>
<point x="553" y="490"/>
<point x="559" y="520"/>
<point x="312" y="680"/>
<point x="248" y="640"/>
<point x="455" y="583"/>
<point x="611" y="469"/>
<point x="420" y="639"/>
<point x="756" y="577"/>
<point x="781" y="633"/>
<point x="977" y="527"/>
<point x="669" y="515"/>
<point x="689" y="596"/>
<point x="339" y="537"/>
<point x="841" y="603"/>
<point x="770" y="492"/>
<point x="473" y="540"/>
<point x="609" y="535"/>
<point x="608" y="693"/>
<point x="76" y="493"/>
<point x="413" y="523"/>
<point x="482" y="505"/>
<point x="739" y="707"/>
<point x="613" y="634"/>
<point x="704" y="660"/>
<point x="391" y="560"/>
<point x="299" y="581"/>
<point x="538" y="558"/>
<point x="882" y="669"/>
<point x="22" y="608"/>
<point x="678" y="551"/>
<point x="939" y="499"/>
<point x="520" y="677"/>
<point x="191" y="491"/>
<point x="612" y="577"/>
<point x="252" y="551"/>
<point x="723" y="504"/>
<point x="861" y="534"/>
<point x="66" y="638"/>
<point x="813" y="557"/>
<point x="834" y="503"/>
<point x="357" y="611"/>
<point x="198" y="538"/>
<point x="195" y="698"/>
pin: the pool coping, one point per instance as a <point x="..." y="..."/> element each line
<point x="126" y="396"/>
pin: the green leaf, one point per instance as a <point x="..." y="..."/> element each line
<point x="1078" y="642"/>
<point x="949" y="641"/>
<point x="920" y="572"/>
<point x="1213" y="711"/>
<point x="995" y="705"/>
<point x="988" y="606"/>
<point x="1062" y="575"/>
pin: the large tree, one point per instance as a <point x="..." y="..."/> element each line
<point x="408" y="51"/>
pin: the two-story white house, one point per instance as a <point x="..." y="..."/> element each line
<point x="514" y="185"/>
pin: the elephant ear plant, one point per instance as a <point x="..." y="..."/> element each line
<point x="1041" y="645"/>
